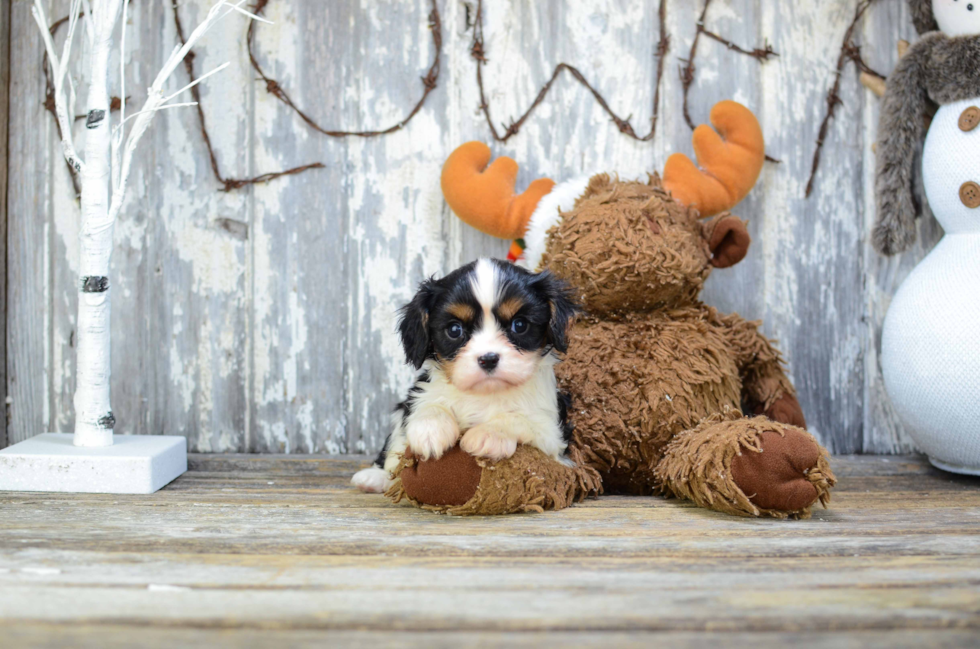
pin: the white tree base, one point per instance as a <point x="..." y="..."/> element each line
<point x="134" y="464"/>
<point x="955" y="468"/>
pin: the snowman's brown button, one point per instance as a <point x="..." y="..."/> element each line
<point x="970" y="119"/>
<point x="970" y="194"/>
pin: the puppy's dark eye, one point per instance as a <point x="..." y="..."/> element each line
<point x="518" y="325"/>
<point x="455" y="330"/>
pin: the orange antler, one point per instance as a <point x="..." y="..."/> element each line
<point x="484" y="196"/>
<point x="730" y="163"/>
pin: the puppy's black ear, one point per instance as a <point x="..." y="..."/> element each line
<point x="563" y="304"/>
<point x="413" y="325"/>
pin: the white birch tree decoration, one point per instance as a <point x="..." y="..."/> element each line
<point x="103" y="173"/>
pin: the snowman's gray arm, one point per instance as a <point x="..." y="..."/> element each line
<point x="900" y="130"/>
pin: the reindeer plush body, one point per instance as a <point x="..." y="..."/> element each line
<point x="657" y="379"/>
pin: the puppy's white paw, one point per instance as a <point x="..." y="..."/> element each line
<point x="483" y="441"/>
<point x="371" y="480"/>
<point x="430" y="437"/>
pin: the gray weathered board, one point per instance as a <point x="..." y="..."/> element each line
<point x="262" y="320"/>
<point x="4" y="121"/>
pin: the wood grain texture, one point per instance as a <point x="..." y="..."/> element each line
<point x="882" y="431"/>
<point x="112" y="636"/>
<point x="812" y="247"/>
<point x="4" y="165"/>
<point x="32" y="142"/>
<point x="281" y="550"/>
<point x="263" y="320"/>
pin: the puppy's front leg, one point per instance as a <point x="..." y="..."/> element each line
<point x="431" y="431"/>
<point x="497" y="438"/>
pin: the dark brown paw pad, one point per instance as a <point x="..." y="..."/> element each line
<point x="449" y="481"/>
<point x="778" y="477"/>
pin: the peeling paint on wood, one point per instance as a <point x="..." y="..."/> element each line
<point x="263" y="320"/>
<point x="4" y="166"/>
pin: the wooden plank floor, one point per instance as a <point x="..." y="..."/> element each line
<point x="263" y="550"/>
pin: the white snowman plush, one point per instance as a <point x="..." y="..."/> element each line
<point x="930" y="351"/>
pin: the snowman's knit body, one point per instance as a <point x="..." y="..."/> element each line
<point x="931" y="338"/>
<point x="930" y="348"/>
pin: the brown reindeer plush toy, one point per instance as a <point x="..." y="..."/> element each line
<point x="658" y="380"/>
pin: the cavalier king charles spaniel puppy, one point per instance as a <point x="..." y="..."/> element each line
<point x="485" y="340"/>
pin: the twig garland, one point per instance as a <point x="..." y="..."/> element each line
<point x="228" y="183"/>
<point x="854" y="54"/>
<point x="429" y="81"/>
<point x="478" y="52"/>
<point x="848" y="52"/>
<point x="688" y="71"/>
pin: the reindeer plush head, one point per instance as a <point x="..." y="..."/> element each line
<point x="626" y="246"/>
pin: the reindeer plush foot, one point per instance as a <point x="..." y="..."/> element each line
<point x="462" y="485"/>
<point x="748" y="467"/>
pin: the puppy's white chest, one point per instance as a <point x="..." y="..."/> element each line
<point x="472" y="411"/>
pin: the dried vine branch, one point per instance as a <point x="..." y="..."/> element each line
<point x="478" y="52"/>
<point x="688" y="71"/>
<point x="854" y="54"/>
<point x="228" y="183"/>
<point x="429" y="81"/>
<point x="848" y="52"/>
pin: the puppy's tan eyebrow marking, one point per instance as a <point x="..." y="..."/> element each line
<point x="462" y="311"/>
<point x="509" y="308"/>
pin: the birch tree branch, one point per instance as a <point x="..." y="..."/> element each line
<point x="114" y="147"/>
<point x="59" y="66"/>
<point x="89" y="25"/>
<point x="155" y="100"/>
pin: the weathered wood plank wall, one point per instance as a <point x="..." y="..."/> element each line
<point x="262" y="320"/>
<point x="4" y="122"/>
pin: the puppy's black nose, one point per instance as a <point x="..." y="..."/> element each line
<point x="488" y="361"/>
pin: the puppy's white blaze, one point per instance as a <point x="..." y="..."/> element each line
<point x="485" y="286"/>
<point x="371" y="480"/>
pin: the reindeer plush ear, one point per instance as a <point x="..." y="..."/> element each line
<point x="483" y="196"/>
<point x="414" y="325"/>
<point x="728" y="239"/>
<point x="731" y="159"/>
